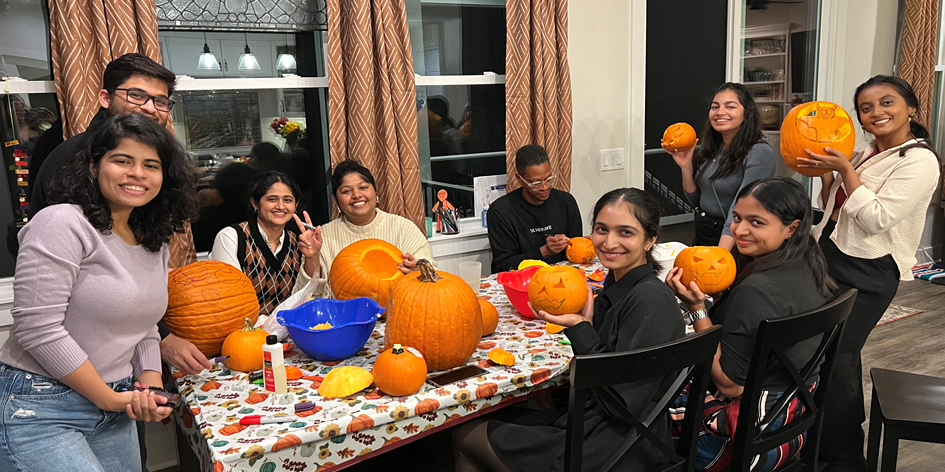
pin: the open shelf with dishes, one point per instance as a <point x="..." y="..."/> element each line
<point x="766" y="61"/>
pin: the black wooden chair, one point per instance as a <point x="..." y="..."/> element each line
<point x="691" y="356"/>
<point x="826" y="322"/>
<point x="910" y="406"/>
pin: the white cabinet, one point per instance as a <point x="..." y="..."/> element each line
<point x="182" y="49"/>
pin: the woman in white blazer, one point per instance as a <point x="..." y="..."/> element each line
<point x="874" y="213"/>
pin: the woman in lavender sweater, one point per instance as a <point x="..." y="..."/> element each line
<point x="90" y="287"/>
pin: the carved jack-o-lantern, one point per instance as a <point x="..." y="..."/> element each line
<point x="558" y="290"/>
<point x="815" y="126"/>
<point x="711" y="267"/>
<point x="580" y="250"/>
<point x="679" y="137"/>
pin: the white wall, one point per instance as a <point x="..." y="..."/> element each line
<point x="606" y="52"/>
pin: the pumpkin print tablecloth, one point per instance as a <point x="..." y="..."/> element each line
<point x="344" y="429"/>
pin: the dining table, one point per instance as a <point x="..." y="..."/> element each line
<point x="339" y="432"/>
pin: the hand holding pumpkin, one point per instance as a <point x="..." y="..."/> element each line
<point x="691" y="295"/>
<point x="836" y="160"/>
<point x="683" y="157"/>
<point x="569" y="320"/>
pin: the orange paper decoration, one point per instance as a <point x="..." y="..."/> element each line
<point x="815" y="126"/>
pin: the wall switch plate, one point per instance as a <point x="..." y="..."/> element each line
<point x="611" y="159"/>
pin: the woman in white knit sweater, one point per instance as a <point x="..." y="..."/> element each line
<point x="874" y="213"/>
<point x="356" y="195"/>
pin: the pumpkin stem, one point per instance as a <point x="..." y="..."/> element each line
<point x="427" y="272"/>
<point x="249" y="326"/>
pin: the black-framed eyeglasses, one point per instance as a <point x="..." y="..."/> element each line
<point x="539" y="183"/>
<point x="139" y="97"/>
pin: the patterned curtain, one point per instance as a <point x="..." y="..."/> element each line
<point x="85" y="35"/>
<point x="918" y="55"/>
<point x="538" y="84"/>
<point x="372" y="114"/>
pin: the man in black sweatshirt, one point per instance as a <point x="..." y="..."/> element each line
<point x="535" y="221"/>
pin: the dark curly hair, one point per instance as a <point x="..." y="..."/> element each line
<point x="152" y="224"/>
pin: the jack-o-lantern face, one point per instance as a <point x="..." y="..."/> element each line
<point x="558" y="290"/>
<point x="712" y="268"/>
<point x="679" y="137"/>
<point x="815" y="126"/>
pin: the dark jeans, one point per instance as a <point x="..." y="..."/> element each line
<point x="877" y="281"/>
<point x="708" y="229"/>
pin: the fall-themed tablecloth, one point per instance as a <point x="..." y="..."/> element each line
<point x="344" y="429"/>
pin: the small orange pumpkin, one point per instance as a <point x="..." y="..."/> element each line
<point x="436" y="313"/>
<point x="366" y="268"/>
<point x="426" y="406"/>
<point x="285" y="442"/>
<point x="208" y="300"/>
<point x="501" y="356"/>
<point x="816" y="126"/>
<point x="679" y="137"/>
<point x="711" y="267"/>
<point x="486" y="390"/>
<point x="558" y="290"/>
<point x="490" y="317"/>
<point x="345" y="381"/>
<point x="580" y="250"/>
<point x="359" y="423"/>
<point x="244" y="347"/>
<point x="400" y="372"/>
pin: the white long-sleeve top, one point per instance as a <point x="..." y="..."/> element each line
<point x="885" y="215"/>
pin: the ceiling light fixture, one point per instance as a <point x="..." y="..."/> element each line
<point x="286" y="64"/>
<point x="207" y="60"/>
<point x="247" y="59"/>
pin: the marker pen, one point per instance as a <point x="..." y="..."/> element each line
<point x="260" y="419"/>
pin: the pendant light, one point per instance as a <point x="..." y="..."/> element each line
<point x="286" y="64"/>
<point x="247" y="59"/>
<point x="207" y="60"/>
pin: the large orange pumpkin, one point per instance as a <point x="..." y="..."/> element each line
<point x="208" y="300"/>
<point x="490" y="317"/>
<point x="244" y="348"/>
<point x="366" y="268"/>
<point x="580" y="250"/>
<point x="679" y="137"/>
<point x="711" y="267"/>
<point x="558" y="290"/>
<point x="399" y="372"/>
<point x="815" y="126"/>
<point x="436" y="313"/>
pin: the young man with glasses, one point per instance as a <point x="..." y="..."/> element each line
<point x="535" y="221"/>
<point x="133" y="83"/>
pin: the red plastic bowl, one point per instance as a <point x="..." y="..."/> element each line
<point x="515" y="284"/>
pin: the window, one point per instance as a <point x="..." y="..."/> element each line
<point x="24" y="40"/>
<point x="223" y="113"/>
<point x="459" y="57"/>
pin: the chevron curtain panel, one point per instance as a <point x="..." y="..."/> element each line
<point x="918" y="55"/>
<point x="538" y="84"/>
<point x="85" y="35"/>
<point x="372" y="114"/>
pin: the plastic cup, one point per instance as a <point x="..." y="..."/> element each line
<point x="471" y="272"/>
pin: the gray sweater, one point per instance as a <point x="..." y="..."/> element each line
<point x="82" y="295"/>
<point x="760" y="163"/>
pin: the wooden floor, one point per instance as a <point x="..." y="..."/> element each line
<point x="913" y="344"/>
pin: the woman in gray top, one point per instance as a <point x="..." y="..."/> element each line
<point x="733" y="155"/>
<point x="90" y="287"/>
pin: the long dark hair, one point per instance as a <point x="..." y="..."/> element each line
<point x="155" y="222"/>
<point x="786" y="199"/>
<point x="904" y="89"/>
<point x="748" y="135"/>
<point x="645" y="208"/>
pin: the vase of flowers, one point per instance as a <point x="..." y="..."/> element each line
<point x="291" y="131"/>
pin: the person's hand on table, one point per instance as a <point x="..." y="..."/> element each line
<point x="409" y="264"/>
<point x="146" y="406"/>
<point x="691" y="295"/>
<point x="586" y="314"/>
<point x="183" y="355"/>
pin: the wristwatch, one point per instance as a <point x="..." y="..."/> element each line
<point x="697" y="315"/>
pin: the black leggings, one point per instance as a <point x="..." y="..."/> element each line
<point x="877" y="281"/>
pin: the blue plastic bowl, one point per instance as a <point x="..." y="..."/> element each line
<point x="352" y="323"/>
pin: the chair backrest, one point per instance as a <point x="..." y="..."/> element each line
<point x="691" y="356"/>
<point x="826" y="322"/>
